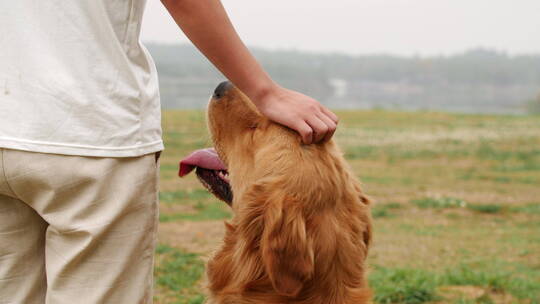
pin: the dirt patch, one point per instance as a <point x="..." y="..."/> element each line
<point x="475" y="293"/>
<point x="198" y="237"/>
<point x="176" y="208"/>
<point x="173" y="183"/>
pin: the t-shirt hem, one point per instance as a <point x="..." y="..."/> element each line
<point x="82" y="150"/>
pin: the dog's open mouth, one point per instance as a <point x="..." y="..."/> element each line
<point x="211" y="172"/>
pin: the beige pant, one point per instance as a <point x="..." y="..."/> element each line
<point x="76" y="230"/>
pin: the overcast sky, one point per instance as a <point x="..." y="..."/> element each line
<point x="403" y="27"/>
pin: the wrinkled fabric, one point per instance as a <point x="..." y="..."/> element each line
<point x="75" y="79"/>
<point x="77" y="229"/>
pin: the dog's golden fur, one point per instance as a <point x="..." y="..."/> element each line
<point x="301" y="229"/>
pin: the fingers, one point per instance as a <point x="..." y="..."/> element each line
<point x="322" y="126"/>
<point x="319" y="128"/>
<point x="330" y="115"/>
<point x="331" y="124"/>
<point x="331" y="120"/>
<point x="306" y="132"/>
<point x="308" y="117"/>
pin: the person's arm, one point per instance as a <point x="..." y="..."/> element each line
<point x="207" y="25"/>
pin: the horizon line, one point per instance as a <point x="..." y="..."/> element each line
<point x="366" y="54"/>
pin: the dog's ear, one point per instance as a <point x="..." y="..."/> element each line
<point x="275" y="221"/>
<point x="287" y="252"/>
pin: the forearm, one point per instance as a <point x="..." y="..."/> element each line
<point x="207" y="25"/>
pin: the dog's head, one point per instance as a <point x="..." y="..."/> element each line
<point x="240" y="134"/>
<point x="233" y="122"/>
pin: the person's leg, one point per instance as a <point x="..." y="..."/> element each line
<point x="22" y="249"/>
<point x="102" y="215"/>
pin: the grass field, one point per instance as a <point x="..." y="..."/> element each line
<point x="456" y="212"/>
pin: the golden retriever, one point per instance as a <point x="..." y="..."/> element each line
<point x="301" y="227"/>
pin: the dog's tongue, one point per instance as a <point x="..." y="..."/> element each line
<point x="204" y="158"/>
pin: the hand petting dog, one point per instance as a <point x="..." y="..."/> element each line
<point x="314" y="122"/>
<point x="207" y="25"/>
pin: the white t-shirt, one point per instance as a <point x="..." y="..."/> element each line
<point x="75" y="79"/>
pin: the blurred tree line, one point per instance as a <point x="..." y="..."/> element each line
<point x="534" y="105"/>
<point x="478" y="80"/>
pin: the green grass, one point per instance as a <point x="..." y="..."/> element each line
<point x="448" y="202"/>
<point x="414" y="286"/>
<point x="411" y="286"/>
<point x="380" y="212"/>
<point x="487" y="208"/>
<point x="385" y="210"/>
<point x="182" y="195"/>
<point x="533" y="208"/>
<point x="496" y="278"/>
<point x="177" y="273"/>
<point x="439" y="203"/>
<point x="456" y="203"/>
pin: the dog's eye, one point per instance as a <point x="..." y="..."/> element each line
<point x="254" y="126"/>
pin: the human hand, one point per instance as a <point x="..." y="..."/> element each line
<point x="314" y="122"/>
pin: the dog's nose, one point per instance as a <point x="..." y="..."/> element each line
<point x="222" y="88"/>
